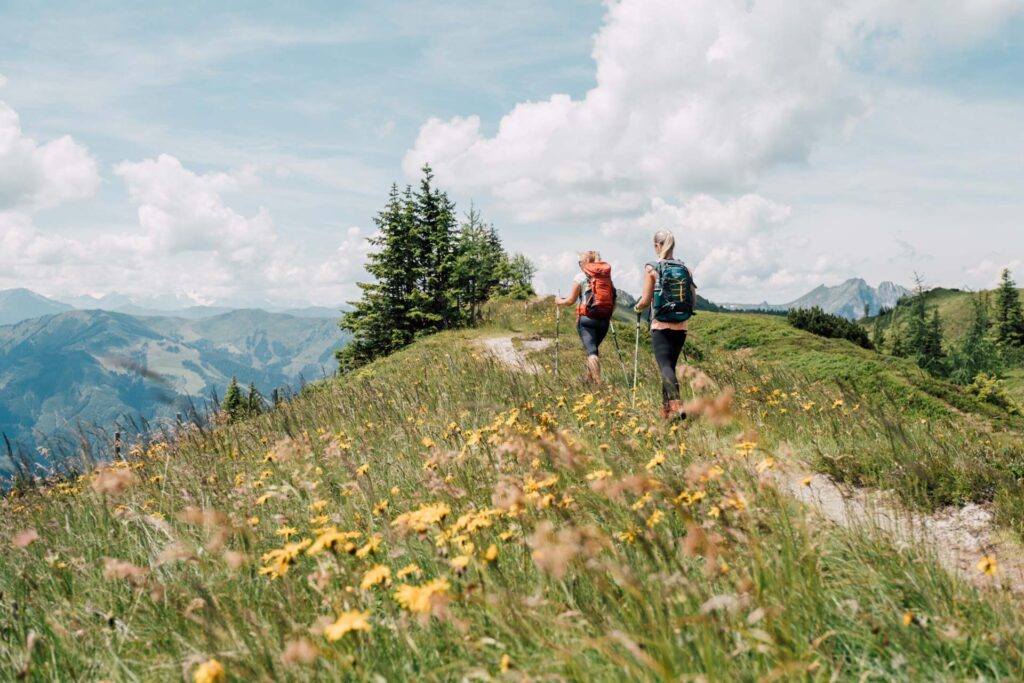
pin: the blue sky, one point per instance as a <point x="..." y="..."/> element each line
<point x="240" y="151"/>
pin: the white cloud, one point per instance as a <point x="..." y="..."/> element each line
<point x="694" y="95"/>
<point x="696" y="99"/>
<point x="35" y="176"/>
<point x="986" y="275"/>
<point x="738" y="246"/>
<point x="189" y="243"/>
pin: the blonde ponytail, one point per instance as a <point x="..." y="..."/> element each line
<point x="665" y="243"/>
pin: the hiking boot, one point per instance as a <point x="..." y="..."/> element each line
<point x="675" y="410"/>
<point x="666" y="413"/>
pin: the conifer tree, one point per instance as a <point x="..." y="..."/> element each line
<point x="478" y="263"/>
<point x="977" y="354"/>
<point x="434" y="229"/>
<point x="254" y="401"/>
<point x="1009" y="316"/>
<point x="381" y="321"/>
<point x="233" y="404"/>
<point x="924" y="334"/>
<point x="517" y="277"/>
<point x="427" y="274"/>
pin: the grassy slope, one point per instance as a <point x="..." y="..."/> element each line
<point x="619" y="578"/>
<point x="954" y="308"/>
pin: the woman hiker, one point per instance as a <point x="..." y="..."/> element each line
<point x="670" y="293"/>
<point x="594" y="295"/>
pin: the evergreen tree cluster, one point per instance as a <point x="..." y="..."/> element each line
<point x="995" y="334"/>
<point x="430" y="273"/>
<point x="817" y="321"/>
<point x="237" y="405"/>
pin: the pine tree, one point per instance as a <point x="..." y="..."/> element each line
<point x="427" y="275"/>
<point x="381" y="321"/>
<point x="924" y="334"/>
<point x="233" y="404"/>
<point x="517" y="277"/>
<point x="478" y="262"/>
<point x="977" y="354"/>
<point x="1009" y="316"/>
<point x="435" y="236"/>
<point x="254" y="401"/>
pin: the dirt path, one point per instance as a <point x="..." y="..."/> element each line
<point x="505" y="352"/>
<point x="957" y="537"/>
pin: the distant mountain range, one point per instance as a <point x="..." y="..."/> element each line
<point x="97" y="368"/>
<point x="848" y="299"/>
<point x="23" y="304"/>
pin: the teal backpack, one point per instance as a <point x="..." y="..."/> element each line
<point x="673" y="291"/>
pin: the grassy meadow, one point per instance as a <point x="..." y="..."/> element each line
<point x="438" y="516"/>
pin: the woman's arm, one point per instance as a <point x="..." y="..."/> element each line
<point x="645" y="299"/>
<point x="574" y="295"/>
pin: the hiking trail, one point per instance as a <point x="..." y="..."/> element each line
<point x="956" y="537"/>
<point x="504" y="351"/>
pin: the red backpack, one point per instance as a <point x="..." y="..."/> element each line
<point x="598" y="292"/>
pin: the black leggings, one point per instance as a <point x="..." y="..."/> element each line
<point x="668" y="344"/>
<point x="592" y="332"/>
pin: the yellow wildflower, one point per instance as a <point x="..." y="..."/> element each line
<point x="330" y="538"/>
<point x="420" y="599"/>
<point x="491" y="554"/>
<point x="657" y="460"/>
<point x="599" y="474"/>
<point x="347" y="622"/>
<point x="378" y="575"/>
<point x="987" y="565"/>
<point x="371" y="546"/>
<point x="209" y="671"/>
<point x="409" y="570"/>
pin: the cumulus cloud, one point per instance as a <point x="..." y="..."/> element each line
<point x="693" y="95"/>
<point x="737" y="246"/>
<point x="34" y="175"/>
<point x="697" y="99"/>
<point x="189" y="244"/>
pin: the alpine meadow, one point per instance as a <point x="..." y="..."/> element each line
<point x="402" y="341"/>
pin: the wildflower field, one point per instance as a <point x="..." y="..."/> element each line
<point x="441" y="516"/>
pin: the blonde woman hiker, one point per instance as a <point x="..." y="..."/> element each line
<point x="670" y="293"/>
<point x="594" y="295"/>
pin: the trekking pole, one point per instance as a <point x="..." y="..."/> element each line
<point x="618" y="351"/>
<point x="636" y="357"/>
<point x="558" y="324"/>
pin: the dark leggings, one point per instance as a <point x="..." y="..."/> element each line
<point x="668" y="344"/>
<point x="592" y="332"/>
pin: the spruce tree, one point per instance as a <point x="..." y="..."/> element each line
<point x="254" y="401"/>
<point x="478" y="261"/>
<point x="1009" y="316"/>
<point x="977" y="354"/>
<point x="233" y="404"/>
<point x="432" y="217"/>
<point x="517" y="277"/>
<point x="382" y="321"/>
<point x="924" y="334"/>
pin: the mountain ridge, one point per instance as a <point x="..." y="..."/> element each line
<point x="99" y="366"/>
<point x="847" y="299"/>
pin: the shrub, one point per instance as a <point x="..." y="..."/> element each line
<point x="817" y="321"/>
<point x="991" y="389"/>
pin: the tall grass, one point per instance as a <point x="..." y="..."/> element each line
<point x="623" y="548"/>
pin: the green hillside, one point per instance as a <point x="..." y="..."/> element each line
<point x="954" y="307"/>
<point x="439" y="515"/>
